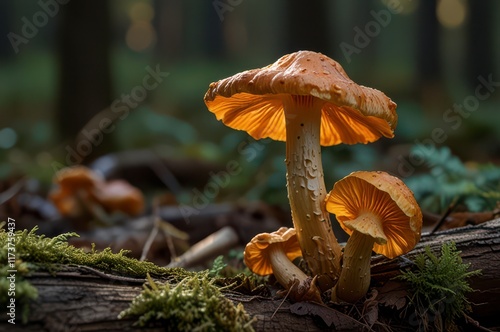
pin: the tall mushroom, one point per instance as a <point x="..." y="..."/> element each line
<point x="273" y="253"/>
<point x="381" y="214"/>
<point x="305" y="99"/>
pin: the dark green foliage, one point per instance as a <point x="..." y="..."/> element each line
<point x="438" y="287"/>
<point x="194" y="304"/>
<point x="449" y="179"/>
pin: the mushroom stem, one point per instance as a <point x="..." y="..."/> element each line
<point x="354" y="279"/>
<point x="306" y="188"/>
<point x="299" y="286"/>
<point x="283" y="269"/>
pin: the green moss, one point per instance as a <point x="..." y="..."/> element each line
<point x="191" y="303"/>
<point x="438" y="287"/>
<point x="48" y="253"/>
<point x="36" y="252"/>
<point x="194" y="304"/>
<point x="24" y="292"/>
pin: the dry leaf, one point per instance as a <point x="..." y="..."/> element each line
<point x="370" y="308"/>
<point x="331" y="317"/>
<point x="392" y="294"/>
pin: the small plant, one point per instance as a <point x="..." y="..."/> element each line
<point x="217" y="266"/>
<point x="476" y="186"/>
<point x="194" y="304"/>
<point x="438" y="287"/>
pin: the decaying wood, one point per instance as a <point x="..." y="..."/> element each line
<point x="79" y="300"/>
<point x="480" y="246"/>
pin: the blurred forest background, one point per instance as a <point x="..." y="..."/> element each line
<point x="83" y="79"/>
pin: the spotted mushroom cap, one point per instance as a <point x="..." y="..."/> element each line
<point x="253" y="100"/>
<point x="385" y="196"/>
<point x="256" y="256"/>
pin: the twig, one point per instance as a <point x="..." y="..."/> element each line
<point x="167" y="177"/>
<point x="450" y="208"/>
<point x="12" y="191"/>
<point x="213" y="245"/>
<point x="150" y="239"/>
<point x="111" y="276"/>
<point x="284" y="299"/>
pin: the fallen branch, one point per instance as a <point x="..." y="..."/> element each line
<point x="78" y="299"/>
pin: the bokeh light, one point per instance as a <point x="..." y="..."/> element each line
<point x="451" y="13"/>
<point x="8" y="138"/>
<point x="140" y="35"/>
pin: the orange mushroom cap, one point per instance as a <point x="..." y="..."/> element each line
<point x="256" y="257"/>
<point x="119" y="195"/>
<point x="253" y="100"/>
<point x="69" y="181"/>
<point x="81" y="183"/>
<point x="384" y="196"/>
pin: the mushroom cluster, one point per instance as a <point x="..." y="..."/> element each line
<point x="307" y="100"/>
<point x="80" y="191"/>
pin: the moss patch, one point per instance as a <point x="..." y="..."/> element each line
<point x="194" y="304"/>
<point x="36" y="252"/>
<point x="47" y="253"/>
<point x="438" y="287"/>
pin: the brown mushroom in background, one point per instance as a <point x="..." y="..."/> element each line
<point x="119" y="195"/>
<point x="73" y="191"/>
<point x="273" y="253"/>
<point x="305" y="99"/>
<point x="381" y="214"/>
<point x="82" y="192"/>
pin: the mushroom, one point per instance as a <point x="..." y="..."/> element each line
<point x="381" y="214"/>
<point x="80" y="191"/>
<point x="119" y="195"/>
<point x="273" y="253"/>
<point x="305" y="99"/>
<point x="72" y="195"/>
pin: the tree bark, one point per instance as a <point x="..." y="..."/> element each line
<point x="79" y="299"/>
<point x="85" y="76"/>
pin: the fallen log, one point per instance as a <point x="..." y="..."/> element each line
<point x="79" y="299"/>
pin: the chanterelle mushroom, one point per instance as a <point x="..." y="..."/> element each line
<point x="305" y="99"/>
<point x="273" y="253"/>
<point x="79" y="188"/>
<point x="74" y="187"/>
<point x="380" y="213"/>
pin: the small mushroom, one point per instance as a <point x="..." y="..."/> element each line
<point x="80" y="192"/>
<point x="273" y="253"/>
<point x="305" y="99"/>
<point x="119" y="195"/>
<point x="73" y="192"/>
<point x="381" y="214"/>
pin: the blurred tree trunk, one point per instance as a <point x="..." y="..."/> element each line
<point x="85" y="81"/>
<point x="169" y="23"/>
<point x="306" y="26"/>
<point x="428" y="66"/>
<point x="480" y="41"/>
